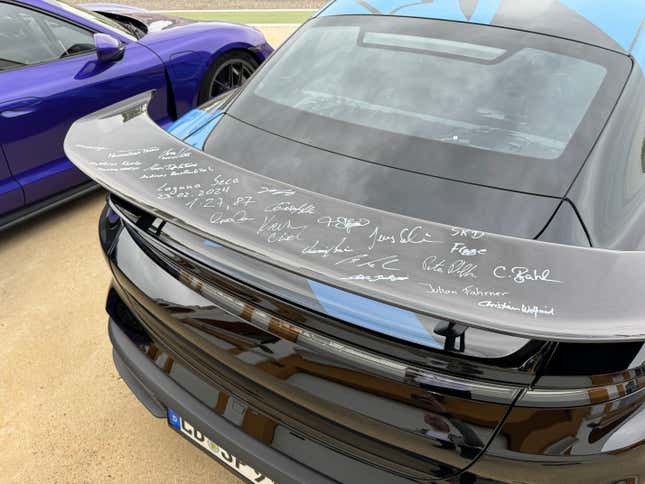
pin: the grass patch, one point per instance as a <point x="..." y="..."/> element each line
<point x="263" y="17"/>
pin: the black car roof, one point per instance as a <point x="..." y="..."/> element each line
<point x="615" y="24"/>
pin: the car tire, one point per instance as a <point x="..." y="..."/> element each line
<point x="229" y="71"/>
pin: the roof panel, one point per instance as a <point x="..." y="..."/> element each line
<point x="615" y="25"/>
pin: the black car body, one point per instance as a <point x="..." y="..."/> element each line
<point x="299" y="289"/>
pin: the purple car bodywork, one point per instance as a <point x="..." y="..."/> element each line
<point x="38" y="103"/>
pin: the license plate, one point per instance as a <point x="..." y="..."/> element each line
<point x="217" y="451"/>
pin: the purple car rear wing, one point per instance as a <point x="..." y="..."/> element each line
<point x="498" y="283"/>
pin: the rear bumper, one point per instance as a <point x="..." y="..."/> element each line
<point x="531" y="444"/>
<point x="157" y="392"/>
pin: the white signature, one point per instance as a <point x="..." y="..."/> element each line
<point x="364" y="260"/>
<point x="531" y="310"/>
<point x="345" y="224"/>
<point x="521" y="274"/>
<point x="375" y="278"/>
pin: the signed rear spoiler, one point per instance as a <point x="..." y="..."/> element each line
<point x="498" y="283"/>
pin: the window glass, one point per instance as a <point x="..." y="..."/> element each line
<point x="474" y="103"/>
<point x="93" y="17"/>
<point x="29" y="37"/>
<point x="443" y="90"/>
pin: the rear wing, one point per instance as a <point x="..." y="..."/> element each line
<point x="514" y="286"/>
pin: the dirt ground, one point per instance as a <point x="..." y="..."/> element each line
<point x="276" y="35"/>
<point x="65" y="415"/>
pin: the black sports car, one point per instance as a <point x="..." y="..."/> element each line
<point x="408" y="249"/>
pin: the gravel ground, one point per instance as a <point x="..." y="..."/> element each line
<point x="65" y="414"/>
<point x="217" y="4"/>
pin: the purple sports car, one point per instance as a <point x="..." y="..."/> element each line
<point x="59" y="62"/>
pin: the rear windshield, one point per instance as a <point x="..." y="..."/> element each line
<point x="441" y="98"/>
